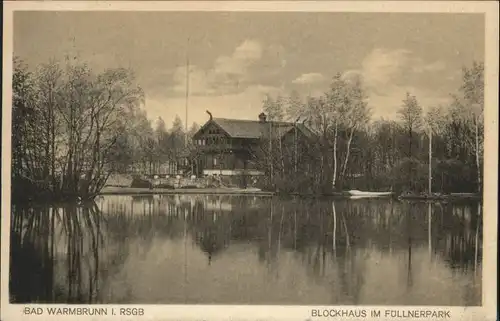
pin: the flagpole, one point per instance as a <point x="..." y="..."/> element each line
<point x="187" y="93"/>
<point x="185" y="145"/>
<point x="430" y="160"/>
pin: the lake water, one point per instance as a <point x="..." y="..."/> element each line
<point x="208" y="249"/>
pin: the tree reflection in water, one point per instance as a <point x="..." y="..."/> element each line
<point x="67" y="253"/>
<point x="55" y="254"/>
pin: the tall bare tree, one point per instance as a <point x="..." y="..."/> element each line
<point x="471" y="101"/>
<point x="410" y="115"/>
<point x="77" y="118"/>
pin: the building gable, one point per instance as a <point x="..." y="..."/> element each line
<point x="249" y="129"/>
<point x="302" y="132"/>
<point x="238" y="128"/>
<point x="211" y="128"/>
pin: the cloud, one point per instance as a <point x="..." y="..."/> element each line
<point x="387" y="105"/>
<point x="198" y="81"/>
<point x="233" y="86"/>
<point x="239" y="62"/>
<point x="249" y="50"/>
<point x="432" y="67"/>
<point x="228" y="74"/>
<point x="352" y="75"/>
<point x="389" y="74"/>
<point x="455" y="75"/>
<point x="276" y="55"/>
<point x="309" y="78"/>
<point x="246" y="104"/>
<point x="383" y="66"/>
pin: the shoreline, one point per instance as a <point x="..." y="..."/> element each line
<point x="125" y="190"/>
<point x="115" y="190"/>
<point x="165" y="191"/>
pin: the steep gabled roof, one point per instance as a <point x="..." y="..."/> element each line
<point x="254" y="129"/>
<point x="239" y="128"/>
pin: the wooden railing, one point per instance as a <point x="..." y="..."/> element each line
<point x="223" y="147"/>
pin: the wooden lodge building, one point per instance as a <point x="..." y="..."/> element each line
<point x="233" y="147"/>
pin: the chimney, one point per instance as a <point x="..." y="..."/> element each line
<point x="262" y="117"/>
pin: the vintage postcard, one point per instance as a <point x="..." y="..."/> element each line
<point x="249" y="160"/>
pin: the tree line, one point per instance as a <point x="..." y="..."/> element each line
<point x="72" y="127"/>
<point x="353" y="150"/>
<point x="147" y="145"/>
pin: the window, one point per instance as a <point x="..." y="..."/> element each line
<point x="215" y="161"/>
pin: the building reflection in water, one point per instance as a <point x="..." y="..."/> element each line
<point x="69" y="253"/>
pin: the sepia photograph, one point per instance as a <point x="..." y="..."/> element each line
<point x="239" y="157"/>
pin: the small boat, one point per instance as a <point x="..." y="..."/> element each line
<point x="362" y="194"/>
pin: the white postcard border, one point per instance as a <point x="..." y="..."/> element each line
<point x="233" y="312"/>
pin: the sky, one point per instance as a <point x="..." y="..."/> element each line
<point x="236" y="58"/>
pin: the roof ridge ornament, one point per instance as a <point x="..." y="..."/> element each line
<point x="210" y="114"/>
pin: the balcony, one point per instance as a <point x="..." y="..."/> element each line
<point x="223" y="147"/>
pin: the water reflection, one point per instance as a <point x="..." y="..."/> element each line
<point x="247" y="250"/>
<point x="55" y="254"/>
